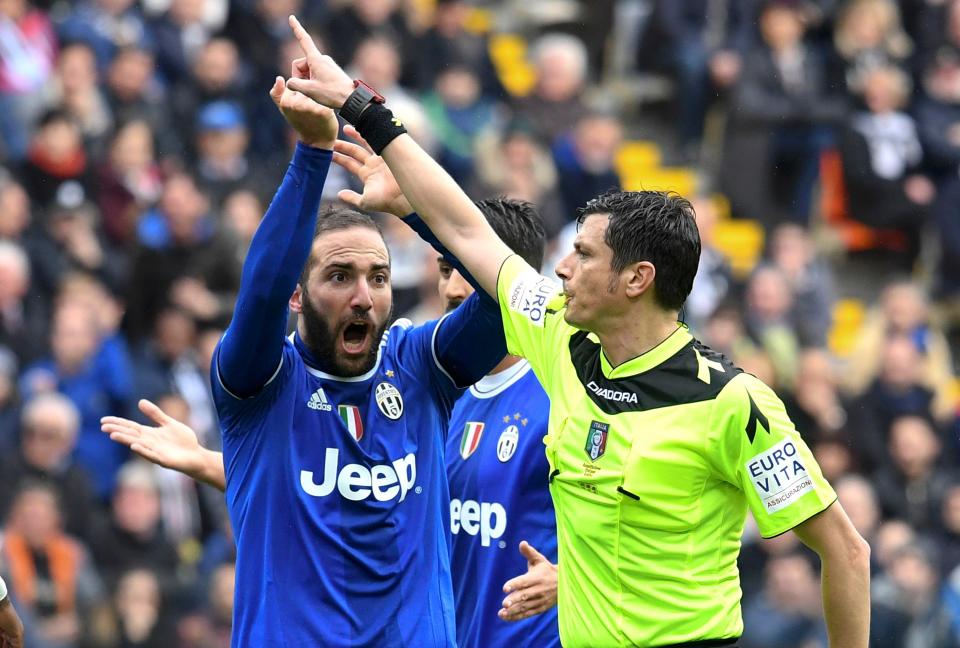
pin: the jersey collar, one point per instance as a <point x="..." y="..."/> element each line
<point x="650" y="359"/>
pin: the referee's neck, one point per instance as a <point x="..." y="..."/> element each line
<point x="635" y="334"/>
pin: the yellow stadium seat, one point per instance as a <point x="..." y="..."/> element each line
<point x="479" y="21"/>
<point x="509" y="55"/>
<point x="741" y="242"/>
<point x="848" y="316"/>
<point x="637" y="157"/>
<point x="679" y="179"/>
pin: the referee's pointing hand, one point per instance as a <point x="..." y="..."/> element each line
<point x="533" y="592"/>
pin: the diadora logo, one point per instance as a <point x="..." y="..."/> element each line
<point x="318" y="401"/>
<point x="488" y="519"/>
<point x="612" y="394"/>
<point x="357" y="482"/>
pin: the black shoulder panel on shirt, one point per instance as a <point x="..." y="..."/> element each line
<point x="675" y="381"/>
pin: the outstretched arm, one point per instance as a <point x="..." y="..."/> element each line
<point x="532" y="593"/>
<point x="443" y="206"/>
<point x="252" y="346"/>
<point x="170" y="444"/>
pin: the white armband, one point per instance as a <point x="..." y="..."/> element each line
<point x="3" y="589"/>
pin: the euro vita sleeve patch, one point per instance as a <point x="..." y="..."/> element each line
<point x="530" y="294"/>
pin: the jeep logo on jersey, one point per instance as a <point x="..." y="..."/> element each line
<point x="507" y="444"/>
<point x="357" y="482"/>
<point x="389" y="400"/>
<point x="612" y="394"/>
<point x="597" y="440"/>
<point x="488" y="519"/>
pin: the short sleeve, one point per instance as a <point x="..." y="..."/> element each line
<point x="531" y="306"/>
<point x="759" y="451"/>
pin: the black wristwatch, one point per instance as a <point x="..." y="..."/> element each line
<point x="359" y="99"/>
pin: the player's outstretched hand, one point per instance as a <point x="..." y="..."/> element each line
<point x="316" y="125"/>
<point x="11" y="627"/>
<point x="171" y="444"/>
<point x="317" y="75"/>
<point x="380" y="189"/>
<point x="532" y="593"/>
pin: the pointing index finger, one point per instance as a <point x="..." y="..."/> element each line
<point x="306" y="42"/>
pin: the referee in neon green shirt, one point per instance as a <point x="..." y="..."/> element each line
<point x="657" y="445"/>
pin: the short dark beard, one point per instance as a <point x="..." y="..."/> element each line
<point x="322" y="340"/>
<point x="453" y="304"/>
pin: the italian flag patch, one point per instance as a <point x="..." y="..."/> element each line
<point x="350" y="415"/>
<point x="471" y="438"/>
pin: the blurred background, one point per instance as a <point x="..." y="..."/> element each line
<point x="819" y="140"/>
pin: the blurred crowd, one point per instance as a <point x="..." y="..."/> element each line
<point x="139" y="149"/>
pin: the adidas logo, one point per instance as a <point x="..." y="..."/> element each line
<point x="318" y="401"/>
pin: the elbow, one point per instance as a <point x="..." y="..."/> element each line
<point x="856" y="553"/>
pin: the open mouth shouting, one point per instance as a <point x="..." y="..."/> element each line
<point x="356" y="337"/>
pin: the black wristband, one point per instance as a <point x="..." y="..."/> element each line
<point x="378" y="126"/>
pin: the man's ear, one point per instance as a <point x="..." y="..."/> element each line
<point x="296" y="300"/>
<point x="640" y="278"/>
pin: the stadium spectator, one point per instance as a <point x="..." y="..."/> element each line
<point x="815" y="403"/>
<point x="788" y="611"/>
<point x="714" y="277"/>
<point x="49" y="573"/>
<point x="448" y="39"/>
<point x="703" y="53"/>
<point x="48" y="435"/>
<point x="514" y="164"/>
<point x="224" y="163"/>
<point x="585" y="160"/>
<point x="75" y="89"/>
<point x="556" y="103"/>
<point x="216" y="76"/>
<point x="30" y="52"/>
<point x="869" y="36"/>
<point x="459" y="115"/>
<point x="792" y="250"/>
<point x="56" y="160"/>
<point x="859" y="500"/>
<point x="133" y="536"/>
<point x="912" y="486"/>
<point x="129" y="181"/>
<point x="71" y="241"/>
<point x="882" y="160"/>
<point x="770" y="321"/>
<point x="211" y="627"/>
<point x="106" y="26"/>
<point x="95" y="382"/>
<point x="23" y="318"/>
<point x="138" y="615"/>
<point x="948" y="537"/>
<point x="182" y="260"/>
<point x="133" y="93"/>
<point x="908" y="608"/>
<point x="179" y="36"/>
<point x="903" y="310"/>
<point x="348" y="27"/>
<point x="782" y="107"/>
<point x="260" y="28"/>
<point x="16" y="213"/>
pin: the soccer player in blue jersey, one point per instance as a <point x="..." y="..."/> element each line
<point x="497" y="481"/>
<point x="333" y="438"/>
<point x="496" y="466"/>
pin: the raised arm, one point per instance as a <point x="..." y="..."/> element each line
<point x="440" y="202"/>
<point x="253" y="343"/>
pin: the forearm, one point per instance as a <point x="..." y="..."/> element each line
<point x="845" y="580"/>
<point x="253" y="344"/>
<point x="447" y="211"/>
<point x="211" y="471"/>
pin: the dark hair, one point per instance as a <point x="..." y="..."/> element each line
<point x="655" y="226"/>
<point x="518" y="224"/>
<point x="335" y="218"/>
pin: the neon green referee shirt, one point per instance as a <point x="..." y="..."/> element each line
<point x="653" y="465"/>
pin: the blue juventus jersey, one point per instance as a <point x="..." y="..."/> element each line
<point x="337" y="495"/>
<point x="498" y="475"/>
